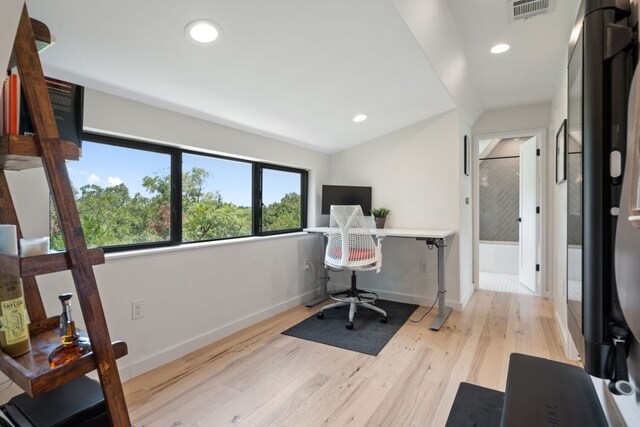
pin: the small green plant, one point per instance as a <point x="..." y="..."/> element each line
<point x="380" y="212"/>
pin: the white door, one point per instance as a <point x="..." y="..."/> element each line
<point x="528" y="217"/>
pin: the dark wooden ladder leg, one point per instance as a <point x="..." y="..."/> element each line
<point x="47" y="136"/>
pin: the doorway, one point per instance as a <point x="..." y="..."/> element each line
<point x="508" y="220"/>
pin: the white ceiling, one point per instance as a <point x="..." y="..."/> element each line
<point x="299" y="70"/>
<point x="527" y="73"/>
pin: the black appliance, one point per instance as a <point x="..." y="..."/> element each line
<point x="602" y="57"/>
<point x="78" y="403"/>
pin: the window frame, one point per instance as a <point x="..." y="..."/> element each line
<point x="215" y="156"/>
<point x="174" y="157"/>
<point x="176" y="154"/>
<point x="257" y="207"/>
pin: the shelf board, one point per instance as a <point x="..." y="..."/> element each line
<point x="44" y="264"/>
<point x="19" y="152"/>
<point x="32" y="373"/>
<point x="43" y="38"/>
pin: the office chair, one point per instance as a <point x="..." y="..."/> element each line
<point x="351" y="246"/>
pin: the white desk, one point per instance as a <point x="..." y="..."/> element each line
<point x="430" y="237"/>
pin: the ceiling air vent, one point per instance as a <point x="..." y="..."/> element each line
<point x="525" y="9"/>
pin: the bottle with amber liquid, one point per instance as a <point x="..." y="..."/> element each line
<point x="72" y="346"/>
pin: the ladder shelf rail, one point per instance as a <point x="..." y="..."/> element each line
<point x="29" y="371"/>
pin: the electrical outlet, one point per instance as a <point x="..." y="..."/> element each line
<point x="307" y="264"/>
<point x="423" y="266"/>
<point x="137" y="309"/>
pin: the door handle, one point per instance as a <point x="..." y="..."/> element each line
<point x="519" y="219"/>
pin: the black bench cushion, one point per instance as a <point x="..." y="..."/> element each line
<point x="542" y="392"/>
<point x="476" y="406"/>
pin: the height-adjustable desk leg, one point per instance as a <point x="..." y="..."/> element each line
<point x="443" y="311"/>
<point x="324" y="294"/>
<point x="324" y="279"/>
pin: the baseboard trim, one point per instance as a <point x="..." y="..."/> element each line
<point x="565" y="335"/>
<point x="135" y="368"/>
<point x="467" y="297"/>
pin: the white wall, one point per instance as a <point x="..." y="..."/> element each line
<point x="465" y="199"/>
<point x="515" y="118"/>
<point x="436" y="32"/>
<point x="558" y="198"/>
<point x="197" y="293"/>
<point x="499" y="257"/>
<point x="415" y="172"/>
<point x="8" y="25"/>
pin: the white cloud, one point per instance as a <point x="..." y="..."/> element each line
<point x="94" y="179"/>
<point x="112" y="181"/>
<point x="71" y="169"/>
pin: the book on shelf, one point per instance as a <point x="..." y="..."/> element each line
<point x="10" y="104"/>
<point x="67" y="101"/>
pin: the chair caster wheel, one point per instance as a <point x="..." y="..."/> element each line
<point x="349" y="325"/>
<point x="320" y="315"/>
<point x="384" y="319"/>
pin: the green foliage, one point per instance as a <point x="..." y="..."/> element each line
<point x="282" y="215"/>
<point x="380" y="212"/>
<point x="111" y="216"/>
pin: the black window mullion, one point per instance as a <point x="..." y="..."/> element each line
<point x="304" y="187"/>
<point x="176" y="197"/>
<point x="257" y="199"/>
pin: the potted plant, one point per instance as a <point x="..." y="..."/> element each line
<point x="380" y="215"/>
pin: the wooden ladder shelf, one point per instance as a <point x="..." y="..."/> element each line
<point x="31" y="371"/>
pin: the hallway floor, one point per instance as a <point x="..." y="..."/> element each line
<point x="499" y="282"/>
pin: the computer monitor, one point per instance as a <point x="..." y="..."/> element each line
<point x="345" y="195"/>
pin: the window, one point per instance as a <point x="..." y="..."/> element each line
<point x="282" y="201"/>
<point x="216" y="198"/>
<point x="128" y="196"/>
<point x="123" y="195"/>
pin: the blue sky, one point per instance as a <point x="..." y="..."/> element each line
<point x="107" y="165"/>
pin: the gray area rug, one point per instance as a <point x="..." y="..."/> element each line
<point x="369" y="336"/>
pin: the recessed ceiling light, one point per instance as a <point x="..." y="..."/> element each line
<point x="500" y="48"/>
<point x="360" y="118"/>
<point x="202" y="31"/>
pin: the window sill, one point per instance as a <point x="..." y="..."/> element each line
<point x="196" y="246"/>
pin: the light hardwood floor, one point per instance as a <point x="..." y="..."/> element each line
<point x="258" y="377"/>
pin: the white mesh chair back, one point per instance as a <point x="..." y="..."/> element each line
<point x="350" y="242"/>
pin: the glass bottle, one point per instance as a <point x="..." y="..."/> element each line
<point x="14" y="328"/>
<point x="72" y="346"/>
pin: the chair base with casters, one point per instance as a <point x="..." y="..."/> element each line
<point x="354" y="297"/>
